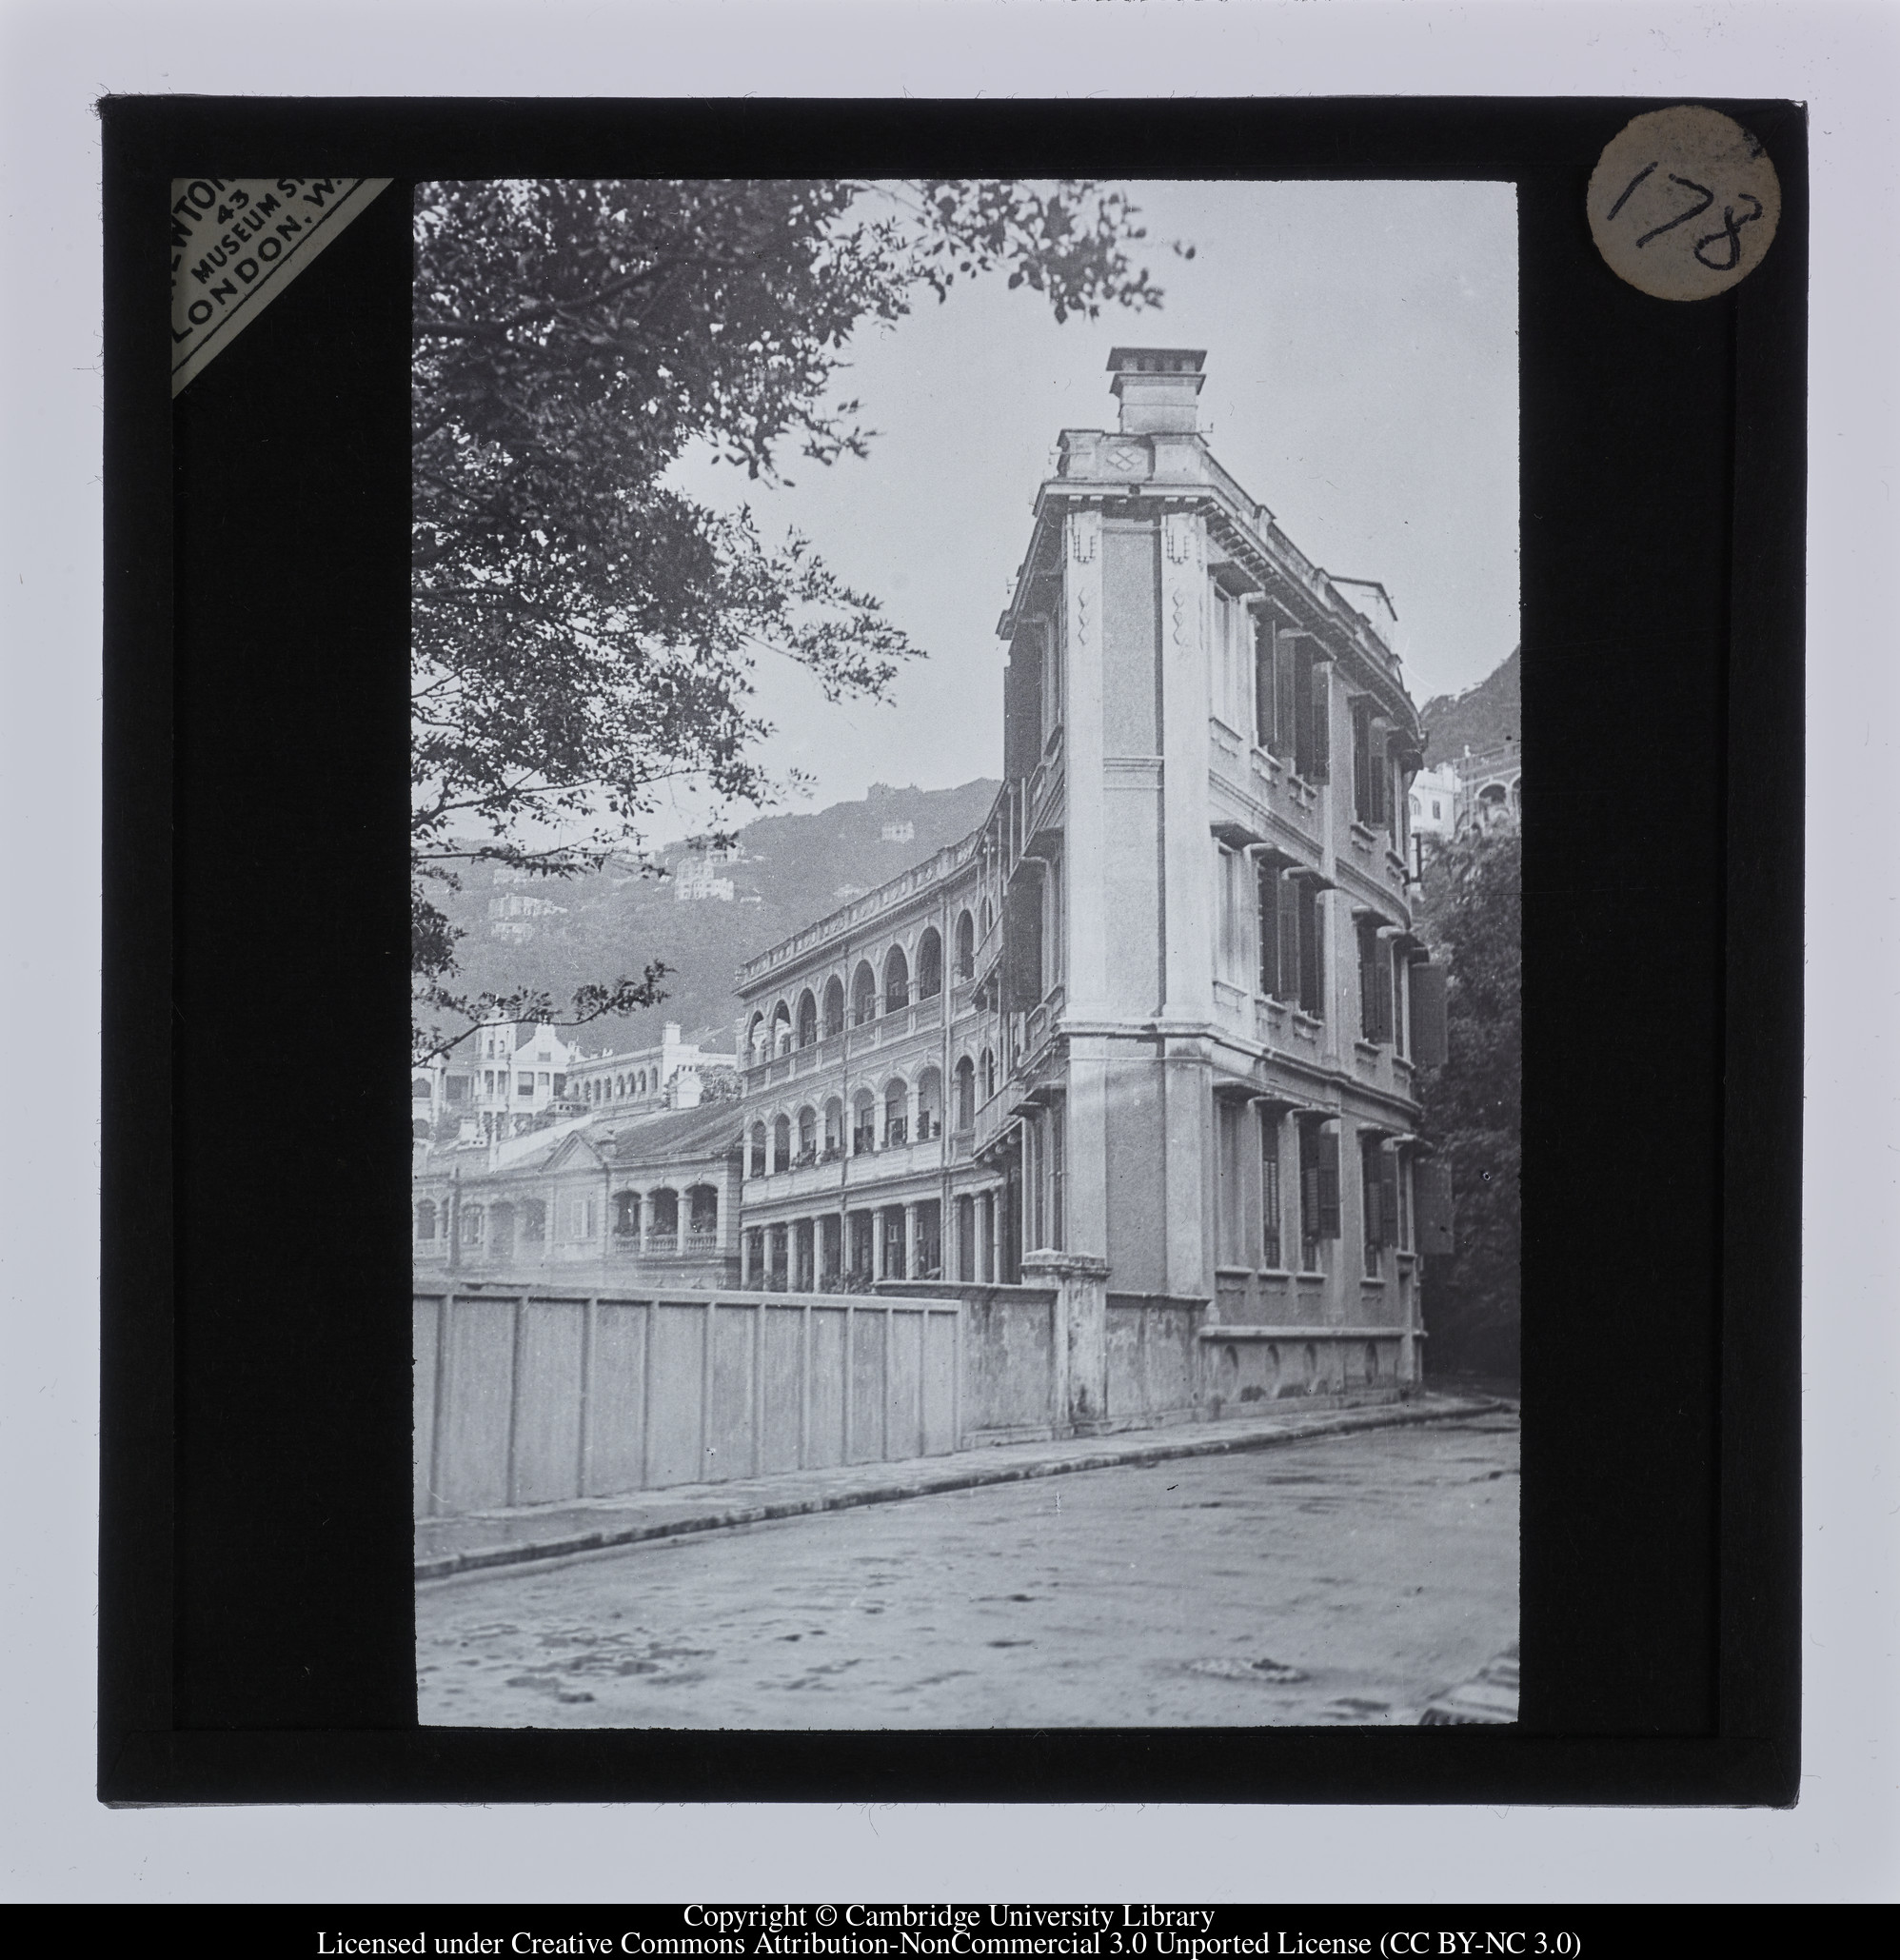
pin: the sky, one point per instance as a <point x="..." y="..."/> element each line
<point x="1361" y="347"/>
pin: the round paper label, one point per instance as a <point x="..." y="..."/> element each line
<point x="1683" y="203"/>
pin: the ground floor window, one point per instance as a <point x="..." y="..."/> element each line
<point x="1318" y="1192"/>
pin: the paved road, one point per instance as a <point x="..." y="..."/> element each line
<point x="1344" y="1579"/>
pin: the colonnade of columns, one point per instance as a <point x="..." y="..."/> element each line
<point x="827" y="1250"/>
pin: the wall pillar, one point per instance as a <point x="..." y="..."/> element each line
<point x="910" y="1241"/>
<point x="1081" y="1356"/>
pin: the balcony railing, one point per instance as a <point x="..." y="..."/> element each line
<point x="859" y="913"/>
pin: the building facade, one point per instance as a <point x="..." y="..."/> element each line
<point x="670" y="1074"/>
<point x="503" y="1079"/>
<point x="1153" y="1026"/>
<point x="1160" y="1013"/>
<point x="864" y="1040"/>
<point x="648" y="1200"/>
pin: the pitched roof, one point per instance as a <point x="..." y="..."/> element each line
<point x="711" y="1130"/>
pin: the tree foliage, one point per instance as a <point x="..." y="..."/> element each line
<point x="1473" y="1104"/>
<point x="583" y="633"/>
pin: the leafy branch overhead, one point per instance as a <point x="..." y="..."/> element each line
<point x="583" y="634"/>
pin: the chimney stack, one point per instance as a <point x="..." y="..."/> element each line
<point x="1156" y="388"/>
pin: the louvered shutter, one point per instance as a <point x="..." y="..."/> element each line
<point x="1288" y="988"/>
<point x="1310" y="976"/>
<point x="1023" y="945"/>
<point x="1388" y="1170"/>
<point x="1432" y="1203"/>
<point x="1378" y="770"/>
<point x="1268" y="901"/>
<point x="1328" y="1208"/>
<point x="1362" y="794"/>
<point x="1303" y="713"/>
<point x="1372" y="1195"/>
<point x="1321" y="770"/>
<point x="1283" y="679"/>
<point x="1263" y="683"/>
<point x="1368" y="983"/>
<point x="1382" y="986"/>
<point x="1428" y="1014"/>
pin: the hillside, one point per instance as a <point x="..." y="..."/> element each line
<point x="1482" y="718"/>
<point x="791" y="870"/>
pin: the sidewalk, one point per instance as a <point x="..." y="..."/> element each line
<point x="445" y="1546"/>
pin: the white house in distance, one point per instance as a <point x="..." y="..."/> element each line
<point x="698" y="876"/>
<point x="1434" y="800"/>
<point x="501" y="1078"/>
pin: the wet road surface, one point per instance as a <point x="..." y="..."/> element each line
<point x="1342" y="1581"/>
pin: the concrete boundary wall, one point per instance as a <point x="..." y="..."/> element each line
<point x="524" y="1395"/>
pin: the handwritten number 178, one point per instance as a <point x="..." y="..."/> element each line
<point x="1730" y="233"/>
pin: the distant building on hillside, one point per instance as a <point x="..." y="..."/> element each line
<point x="900" y="833"/>
<point x="513" y="916"/>
<point x="696" y="877"/>
<point x="670" y="1075"/>
<point x="495" y="1082"/>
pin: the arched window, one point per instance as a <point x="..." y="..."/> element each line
<point x="782" y="1143"/>
<point x="703" y="1214"/>
<point x="755" y="1039"/>
<point x="642" y="1082"/>
<point x="425" y="1219"/>
<point x="929" y="1105"/>
<point x="897" y="1107"/>
<point x="966" y="947"/>
<point x="863" y="994"/>
<point x="662" y="1233"/>
<point x="929" y="965"/>
<point x="782" y="1029"/>
<point x="897" y="980"/>
<point x="471" y="1224"/>
<point x="418" y="1089"/>
<point x="989" y="916"/>
<point x="834" y="1129"/>
<point x="755" y="1168"/>
<point x="834" y="1006"/>
<point x="807" y="1019"/>
<point x="989" y="1073"/>
<point x="627" y="1215"/>
<point x="807" y="1135"/>
<point x="967" y="1093"/>
<point x="864" y="1122"/>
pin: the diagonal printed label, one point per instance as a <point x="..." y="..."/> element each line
<point x="237" y="243"/>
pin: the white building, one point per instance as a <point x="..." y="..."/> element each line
<point x="669" y="1076"/>
<point x="495" y="1082"/>
<point x="1434" y="800"/>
